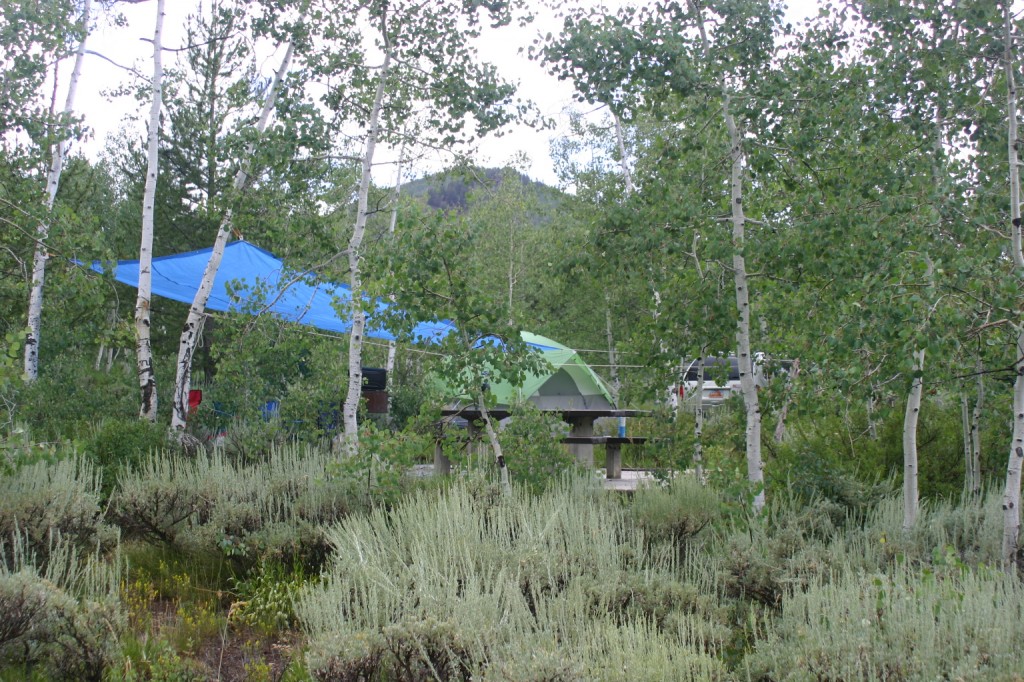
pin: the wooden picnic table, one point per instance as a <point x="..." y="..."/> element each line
<point x="581" y="439"/>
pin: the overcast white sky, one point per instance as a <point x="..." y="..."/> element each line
<point x="127" y="45"/>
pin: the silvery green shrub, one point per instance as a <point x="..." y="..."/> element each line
<point x="64" y="617"/>
<point x="908" y="624"/>
<point x="48" y="499"/>
<point x="277" y="508"/>
<point x="477" y="585"/>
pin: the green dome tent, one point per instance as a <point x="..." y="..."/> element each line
<point x="568" y="384"/>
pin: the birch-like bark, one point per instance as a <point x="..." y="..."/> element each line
<point x="627" y="176"/>
<point x="976" y="431"/>
<point x="755" y="464"/>
<point x="872" y="425"/>
<point x="35" y="299"/>
<point x="613" y="356"/>
<point x="193" y="329"/>
<point x="910" y="419"/>
<point x="492" y="438"/>
<point x="1011" y="493"/>
<point x="698" y="423"/>
<point x="355" y="347"/>
<point x="780" y="425"/>
<point x="965" y="424"/>
<point x="144" y="351"/>
<point x="389" y="367"/>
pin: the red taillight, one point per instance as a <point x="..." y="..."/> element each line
<point x="682" y="391"/>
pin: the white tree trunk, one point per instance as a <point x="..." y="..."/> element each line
<point x="910" y="419"/>
<point x="965" y="420"/>
<point x="144" y="353"/>
<point x="613" y="361"/>
<point x="755" y="464"/>
<point x="193" y="329"/>
<point x="976" y="431"/>
<point x="492" y="438"/>
<point x="780" y="425"/>
<point x="389" y="367"/>
<point x="1011" y="493"/>
<point x="613" y="356"/>
<point x="627" y="177"/>
<point x="35" y="299"/>
<point x="698" y="423"/>
<point x="350" y="408"/>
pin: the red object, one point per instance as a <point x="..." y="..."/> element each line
<point x="682" y="391"/>
<point x="195" y="397"/>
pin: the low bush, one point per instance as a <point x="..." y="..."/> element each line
<point x="676" y="512"/>
<point x="532" y="447"/>
<point x="117" y="444"/>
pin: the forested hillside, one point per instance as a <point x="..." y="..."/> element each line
<point x="829" y="194"/>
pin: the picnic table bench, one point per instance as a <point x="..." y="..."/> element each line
<point x="581" y="439"/>
<point x="612" y="448"/>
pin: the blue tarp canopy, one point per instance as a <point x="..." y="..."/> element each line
<point x="251" y="280"/>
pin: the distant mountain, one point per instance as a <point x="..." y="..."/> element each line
<point x="452" y="190"/>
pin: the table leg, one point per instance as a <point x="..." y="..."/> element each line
<point x="583" y="452"/>
<point x="442" y="465"/>
<point x="613" y="460"/>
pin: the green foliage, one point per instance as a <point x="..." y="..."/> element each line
<point x="535" y="456"/>
<point x="264" y="599"/>
<point x="118" y="444"/>
<point x="70" y="398"/>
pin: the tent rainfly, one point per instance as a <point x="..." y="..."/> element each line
<point x="567" y="384"/>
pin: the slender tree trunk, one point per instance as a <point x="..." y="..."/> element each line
<point x="872" y="426"/>
<point x="1011" y="493"/>
<point x="35" y="300"/>
<point x="698" y="423"/>
<point x="755" y="464"/>
<point x="613" y="356"/>
<point x="976" y="431"/>
<point x="389" y="367"/>
<point x="627" y="176"/>
<point x="780" y="425"/>
<point x="193" y="329"/>
<point x="355" y="347"/>
<point x="144" y="353"/>
<point x="965" y="421"/>
<point x="910" y="419"/>
<point x="492" y="438"/>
